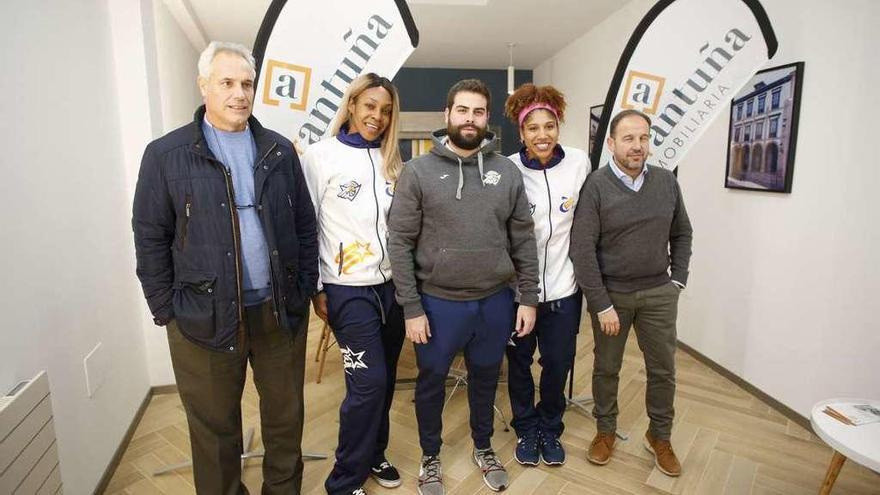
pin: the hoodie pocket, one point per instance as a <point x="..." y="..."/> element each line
<point x="194" y="303"/>
<point x="472" y="269"/>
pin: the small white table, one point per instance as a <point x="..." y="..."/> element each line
<point x="859" y="443"/>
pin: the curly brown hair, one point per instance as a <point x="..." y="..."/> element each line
<point x="528" y="94"/>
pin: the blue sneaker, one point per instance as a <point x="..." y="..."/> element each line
<point x="552" y="452"/>
<point x="526" y="452"/>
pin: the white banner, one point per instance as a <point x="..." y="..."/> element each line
<point x="682" y="65"/>
<point x="308" y="52"/>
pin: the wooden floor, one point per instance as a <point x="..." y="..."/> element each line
<point x="729" y="442"/>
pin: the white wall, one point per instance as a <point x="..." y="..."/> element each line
<point x="67" y="258"/>
<point x="177" y="60"/>
<point x="782" y="286"/>
<point x="83" y="99"/>
<point x="173" y="66"/>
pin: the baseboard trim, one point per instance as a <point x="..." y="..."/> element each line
<point x="786" y="411"/>
<point x="165" y="389"/>
<point x="123" y="445"/>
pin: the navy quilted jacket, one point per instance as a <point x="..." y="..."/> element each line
<point x="187" y="239"/>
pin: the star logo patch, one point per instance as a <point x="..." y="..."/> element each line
<point x="352" y="360"/>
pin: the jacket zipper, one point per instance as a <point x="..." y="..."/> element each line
<point x="271" y="271"/>
<point x="339" y="271"/>
<point x="376" y="199"/>
<point x="547" y="244"/>
<point x="188" y="211"/>
<point x="236" y="248"/>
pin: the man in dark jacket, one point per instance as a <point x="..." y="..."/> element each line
<point x="227" y="255"/>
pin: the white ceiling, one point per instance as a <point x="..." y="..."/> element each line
<point x="470" y="34"/>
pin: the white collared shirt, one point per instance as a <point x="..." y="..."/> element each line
<point x="634" y="184"/>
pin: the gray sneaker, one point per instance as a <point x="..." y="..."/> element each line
<point x="494" y="474"/>
<point x="430" y="476"/>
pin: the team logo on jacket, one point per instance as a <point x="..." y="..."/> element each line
<point x="532" y="207"/>
<point x="352" y="255"/>
<point x="491" y="178"/>
<point x="349" y="190"/>
<point x="566" y="205"/>
<point x="352" y="360"/>
<point x="389" y="188"/>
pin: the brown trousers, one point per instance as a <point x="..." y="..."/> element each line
<point x="210" y="384"/>
<point x="653" y="313"/>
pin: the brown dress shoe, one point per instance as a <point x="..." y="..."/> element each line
<point x="664" y="457"/>
<point x="600" y="448"/>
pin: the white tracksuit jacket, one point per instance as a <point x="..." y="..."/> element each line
<point x="351" y="199"/>
<point x="553" y="194"/>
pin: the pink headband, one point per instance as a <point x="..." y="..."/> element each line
<point x="534" y="106"/>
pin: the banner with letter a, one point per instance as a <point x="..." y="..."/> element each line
<point x="309" y="51"/>
<point x="681" y="66"/>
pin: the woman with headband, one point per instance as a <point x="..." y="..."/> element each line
<point x="351" y="176"/>
<point x="553" y="176"/>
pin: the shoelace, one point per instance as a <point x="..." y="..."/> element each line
<point x="530" y="441"/>
<point x="490" y="462"/>
<point x="552" y="442"/>
<point x="431" y="466"/>
<point x="359" y="491"/>
<point x="384" y="465"/>
<point x="600" y="438"/>
<point x="663" y="448"/>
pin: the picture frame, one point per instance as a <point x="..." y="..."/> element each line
<point x="762" y="134"/>
<point x="595" y="117"/>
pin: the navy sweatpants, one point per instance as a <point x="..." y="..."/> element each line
<point x="481" y="329"/>
<point x="369" y="329"/>
<point x="555" y="335"/>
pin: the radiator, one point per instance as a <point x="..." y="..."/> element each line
<point x="28" y="453"/>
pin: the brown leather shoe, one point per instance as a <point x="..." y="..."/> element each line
<point x="664" y="457"/>
<point x="600" y="448"/>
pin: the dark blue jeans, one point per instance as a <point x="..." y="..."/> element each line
<point x="480" y="328"/>
<point x="555" y="336"/>
<point x="368" y="325"/>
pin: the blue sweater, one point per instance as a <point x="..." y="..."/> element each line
<point x="238" y="152"/>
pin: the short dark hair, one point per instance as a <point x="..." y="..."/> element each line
<point x="471" y="86"/>
<point x="624" y="114"/>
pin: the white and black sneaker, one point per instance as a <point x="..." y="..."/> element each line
<point x="386" y="474"/>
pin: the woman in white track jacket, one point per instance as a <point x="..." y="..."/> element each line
<point x="351" y="176"/>
<point x="553" y="176"/>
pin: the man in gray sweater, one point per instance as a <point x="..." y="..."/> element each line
<point x="460" y="232"/>
<point x="631" y="244"/>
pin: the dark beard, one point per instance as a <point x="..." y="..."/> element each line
<point x="462" y="142"/>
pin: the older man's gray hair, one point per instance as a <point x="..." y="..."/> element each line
<point x="216" y="47"/>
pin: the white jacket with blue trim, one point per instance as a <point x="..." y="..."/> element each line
<point x="351" y="198"/>
<point x="553" y="194"/>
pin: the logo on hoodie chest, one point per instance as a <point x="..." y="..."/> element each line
<point x="349" y="190"/>
<point x="491" y="178"/>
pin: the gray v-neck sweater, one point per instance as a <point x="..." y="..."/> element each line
<point x="624" y="241"/>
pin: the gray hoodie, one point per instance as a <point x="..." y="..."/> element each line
<point x="460" y="228"/>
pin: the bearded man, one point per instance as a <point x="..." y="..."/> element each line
<point x="463" y="252"/>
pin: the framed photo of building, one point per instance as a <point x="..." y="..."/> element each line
<point x="595" y="117"/>
<point x="763" y="130"/>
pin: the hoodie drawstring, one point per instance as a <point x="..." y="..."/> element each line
<point x="461" y="174"/>
<point x="460" y="180"/>
<point x="480" y="167"/>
